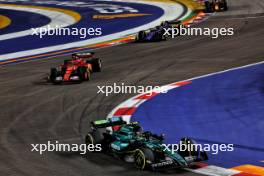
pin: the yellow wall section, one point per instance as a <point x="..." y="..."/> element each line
<point x="189" y="3"/>
<point x="4" y="21"/>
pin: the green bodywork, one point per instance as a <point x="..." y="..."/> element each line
<point x="125" y="140"/>
<point x="126" y="137"/>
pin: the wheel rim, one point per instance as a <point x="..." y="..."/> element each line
<point x="89" y="139"/>
<point x="140" y="159"/>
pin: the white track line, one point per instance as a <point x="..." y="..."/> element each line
<point x="57" y="19"/>
<point x="171" y="12"/>
<point x="220" y="72"/>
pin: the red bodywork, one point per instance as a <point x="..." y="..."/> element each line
<point x="72" y="65"/>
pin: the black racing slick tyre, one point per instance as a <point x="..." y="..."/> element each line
<point x="89" y="139"/>
<point x="97" y="65"/>
<point x="142" y="157"/>
<point x="208" y="7"/>
<point x="99" y="136"/>
<point x="225" y="6"/>
<point x="95" y="137"/>
<point x="188" y="142"/>
<point x="141" y="36"/>
<point x="197" y="152"/>
<point x="53" y="74"/>
<point x="84" y="74"/>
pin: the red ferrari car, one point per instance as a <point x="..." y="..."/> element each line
<point x="76" y="69"/>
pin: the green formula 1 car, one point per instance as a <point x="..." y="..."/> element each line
<point x="146" y="150"/>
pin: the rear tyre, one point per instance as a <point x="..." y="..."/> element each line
<point x="98" y="136"/>
<point x="95" y="137"/>
<point x="208" y="7"/>
<point x="141" y="36"/>
<point x="142" y="156"/>
<point x="97" y="65"/>
<point x="83" y="74"/>
<point x="225" y="6"/>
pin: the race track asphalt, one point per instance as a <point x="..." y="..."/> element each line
<point x="35" y="112"/>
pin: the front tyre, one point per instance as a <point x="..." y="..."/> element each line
<point x="143" y="157"/>
<point x="53" y="75"/>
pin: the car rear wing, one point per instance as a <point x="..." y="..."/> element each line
<point x="83" y="55"/>
<point x="115" y="121"/>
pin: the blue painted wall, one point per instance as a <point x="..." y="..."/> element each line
<point x="224" y="108"/>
